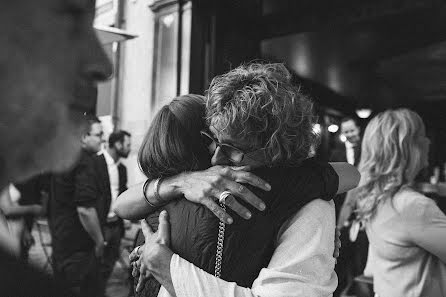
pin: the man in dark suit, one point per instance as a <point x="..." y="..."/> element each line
<point x="112" y="175"/>
<point x="354" y="244"/>
<point x="75" y="219"/>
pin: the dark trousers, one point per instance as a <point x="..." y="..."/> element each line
<point x="113" y="233"/>
<point x="79" y="272"/>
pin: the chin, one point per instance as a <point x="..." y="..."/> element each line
<point x="61" y="152"/>
<point x="37" y="163"/>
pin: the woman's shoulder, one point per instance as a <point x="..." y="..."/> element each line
<point x="407" y="196"/>
<point x="413" y="203"/>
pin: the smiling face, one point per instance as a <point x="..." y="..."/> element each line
<point x="51" y="61"/>
<point x="351" y="131"/>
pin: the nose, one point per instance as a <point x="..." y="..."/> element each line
<point x="219" y="158"/>
<point x="98" y="66"/>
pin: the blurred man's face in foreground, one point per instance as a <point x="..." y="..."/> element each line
<point x="50" y="62"/>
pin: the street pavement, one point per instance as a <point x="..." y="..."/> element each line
<point x="117" y="286"/>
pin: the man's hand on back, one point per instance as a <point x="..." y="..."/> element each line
<point x="205" y="187"/>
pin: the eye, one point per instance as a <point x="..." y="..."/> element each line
<point x="76" y="13"/>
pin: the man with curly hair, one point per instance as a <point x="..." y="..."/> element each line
<point x="259" y="118"/>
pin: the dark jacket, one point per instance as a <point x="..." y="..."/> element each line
<point x="103" y="189"/>
<point x="248" y="244"/>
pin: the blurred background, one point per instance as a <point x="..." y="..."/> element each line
<point x="356" y="58"/>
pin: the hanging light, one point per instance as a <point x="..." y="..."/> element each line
<point x="333" y="128"/>
<point x="342" y="138"/>
<point x="364" y="113"/>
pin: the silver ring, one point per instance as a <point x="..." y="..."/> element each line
<point x="223" y="197"/>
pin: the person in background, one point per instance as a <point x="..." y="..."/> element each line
<point x="352" y="259"/>
<point x="33" y="193"/>
<point x="76" y="217"/>
<point x="407" y="230"/>
<point x="113" y="174"/>
<point x="15" y="215"/>
<point x="351" y="152"/>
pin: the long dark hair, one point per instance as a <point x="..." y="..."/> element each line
<point x="173" y="144"/>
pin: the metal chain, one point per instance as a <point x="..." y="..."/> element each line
<point x="220" y="239"/>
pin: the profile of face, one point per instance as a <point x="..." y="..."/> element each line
<point x="351" y="131"/>
<point x="92" y="141"/>
<point x="51" y="61"/>
<point x="123" y="148"/>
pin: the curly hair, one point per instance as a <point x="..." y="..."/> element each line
<point x="259" y="103"/>
<point x="391" y="157"/>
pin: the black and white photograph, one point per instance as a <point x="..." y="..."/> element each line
<point x="232" y="148"/>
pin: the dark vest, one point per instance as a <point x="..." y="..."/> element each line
<point x="248" y="244"/>
<point x="103" y="188"/>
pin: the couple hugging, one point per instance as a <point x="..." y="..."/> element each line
<point x="240" y="151"/>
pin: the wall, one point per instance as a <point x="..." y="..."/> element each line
<point x="136" y="79"/>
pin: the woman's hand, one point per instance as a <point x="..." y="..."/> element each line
<point x="156" y="254"/>
<point x="202" y="187"/>
<point x="205" y="187"/>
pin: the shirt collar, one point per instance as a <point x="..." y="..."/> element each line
<point x="349" y="145"/>
<point x="108" y="159"/>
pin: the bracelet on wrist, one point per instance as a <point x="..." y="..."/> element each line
<point x="144" y="191"/>
<point x="156" y="190"/>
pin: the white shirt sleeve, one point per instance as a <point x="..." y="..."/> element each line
<point x="302" y="263"/>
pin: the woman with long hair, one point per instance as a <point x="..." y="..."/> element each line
<point x="406" y="230"/>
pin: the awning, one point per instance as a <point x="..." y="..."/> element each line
<point x="108" y="35"/>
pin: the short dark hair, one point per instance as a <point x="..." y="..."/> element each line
<point x="346" y="119"/>
<point x="91" y="119"/>
<point x="117" y="136"/>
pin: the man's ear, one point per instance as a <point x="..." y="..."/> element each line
<point x="83" y="137"/>
<point x="118" y="145"/>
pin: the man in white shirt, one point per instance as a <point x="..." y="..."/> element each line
<point x="114" y="175"/>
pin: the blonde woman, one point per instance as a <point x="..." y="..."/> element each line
<point x="406" y="230"/>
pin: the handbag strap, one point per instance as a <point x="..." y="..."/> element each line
<point x="220" y="240"/>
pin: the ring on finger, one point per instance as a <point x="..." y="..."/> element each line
<point x="223" y="196"/>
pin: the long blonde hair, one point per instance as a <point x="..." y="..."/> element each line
<point x="391" y="157"/>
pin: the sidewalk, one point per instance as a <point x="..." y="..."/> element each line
<point x="40" y="255"/>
